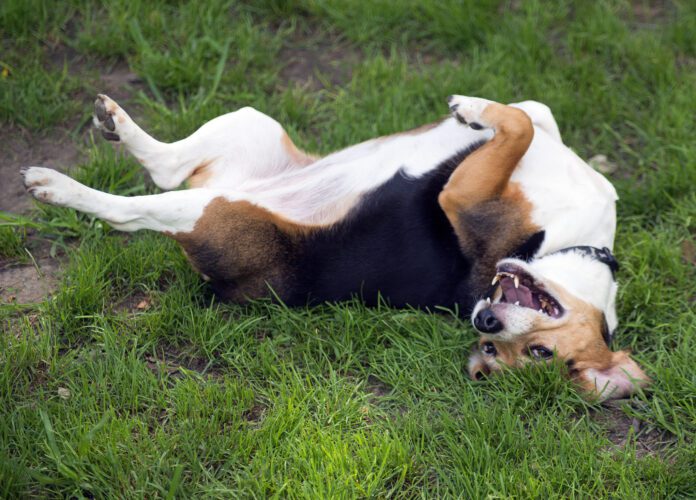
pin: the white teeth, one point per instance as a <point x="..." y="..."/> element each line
<point x="541" y="311"/>
<point x="488" y="300"/>
<point x="555" y="311"/>
<point x="496" y="279"/>
<point x="517" y="281"/>
<point x="517" y="303"/>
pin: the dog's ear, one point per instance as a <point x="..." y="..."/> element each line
<point x="478" y="369"/>
<point x="619" y="379"/>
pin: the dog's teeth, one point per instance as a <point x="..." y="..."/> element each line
<point x="495" y="280"/>
<point x="517" y="303"/>
<point x="541" y="311"/>
<point x="488" y="300"/>
<point x="517" y="281"/>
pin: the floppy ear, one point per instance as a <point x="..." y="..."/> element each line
<point x="478" y="369"/>
<point x="620" y="379"/>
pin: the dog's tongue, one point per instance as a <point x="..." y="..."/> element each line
<point x="523" y="295"/>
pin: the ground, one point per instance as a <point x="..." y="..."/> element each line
<point x="120" y="374"/>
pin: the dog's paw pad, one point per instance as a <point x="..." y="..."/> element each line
<point x="104" y="112"/>
<point x="47" y="185"/>
<point x="469" y="110"/>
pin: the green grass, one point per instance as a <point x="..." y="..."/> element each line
<point x="133" y="381"/>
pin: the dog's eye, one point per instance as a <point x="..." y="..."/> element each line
<point x="489" y="349"/>
<point x="540" y="352"/>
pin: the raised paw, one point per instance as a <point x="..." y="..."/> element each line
<point x="49" y="186"/>
<point x="469" y="110"/>
<point x="110" y="118"/>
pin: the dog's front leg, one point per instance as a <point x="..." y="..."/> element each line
<point x="172" y="212"/>
<point x="484" y="174"/>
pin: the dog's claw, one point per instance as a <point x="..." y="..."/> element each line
<point x="100" y="109"/>
<point x="104" y="119"/>
<point x="110" y="136"/>
<point x="109" y="123"/>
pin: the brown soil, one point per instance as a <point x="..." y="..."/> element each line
<point x="21" y="148"/>
<point x="622" y="430"/>
<point x="27" y="284"/>
<point x="315" y="61"/>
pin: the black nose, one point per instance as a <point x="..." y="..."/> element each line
<point x="486" y="322"/>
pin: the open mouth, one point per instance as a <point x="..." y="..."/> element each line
<point x="515" y="286"/>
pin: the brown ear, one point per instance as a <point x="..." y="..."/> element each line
<point x="478" y="369"/>
<point x="621" y="378"/>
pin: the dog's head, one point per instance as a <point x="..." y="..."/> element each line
<point x="560" y="305"/>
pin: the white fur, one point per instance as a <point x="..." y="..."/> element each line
<point x="584" y="277"/>
<point x="172" y="212"/>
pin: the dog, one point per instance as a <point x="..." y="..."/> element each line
<point x="485" y="211"/>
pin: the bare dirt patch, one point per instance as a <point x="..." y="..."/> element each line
<point x="622" y="429"/>
<point x="21" y="148"/>
<point x="313" y="61"/>
<point x="28" y="284"/>
<point x="652" y="13"/>
<point x="174" y="362"/>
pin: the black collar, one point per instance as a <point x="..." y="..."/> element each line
<point x="603" y="255"/>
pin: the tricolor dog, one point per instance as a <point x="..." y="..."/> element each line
<point x="486" y="210"/>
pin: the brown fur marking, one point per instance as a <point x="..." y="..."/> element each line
<point x="201" y="174"/>
<point x="297" y="156"/>
<point x="243" y="248"/>
<point x="415" y="131"/>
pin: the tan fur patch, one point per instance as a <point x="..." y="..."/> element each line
<point x="297" y="156"/>
<point x="414" y="131"/>
<point x="201" y="174"/>
<point x="484" y="174"/>
<point x="243" y="248"/>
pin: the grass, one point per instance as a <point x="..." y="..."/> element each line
<point x="133" y="381"/>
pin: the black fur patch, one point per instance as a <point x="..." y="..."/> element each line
<point x="527" y="250"/>
<point x="396" y="244"/>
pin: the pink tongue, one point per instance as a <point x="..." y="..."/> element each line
<point x="522" y="294"/>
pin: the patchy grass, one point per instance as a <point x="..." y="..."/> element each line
<point x="131" y="380"/>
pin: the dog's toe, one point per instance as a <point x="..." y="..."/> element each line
<point x="104" y="110"/>
<point x="468" y="110"/>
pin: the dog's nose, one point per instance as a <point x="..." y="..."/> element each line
<point x="486" y="322"/>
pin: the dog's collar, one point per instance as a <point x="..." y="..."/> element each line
<point x="602" y="255"/>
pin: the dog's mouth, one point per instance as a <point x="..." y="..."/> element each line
<point x="513" y="285"/>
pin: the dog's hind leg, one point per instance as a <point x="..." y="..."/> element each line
<point x="171" y="212"/>
<point x="240" y="247"/>
<point x="223" y="153"/>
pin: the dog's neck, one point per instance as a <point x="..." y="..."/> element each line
<point x="602" y="255"/>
